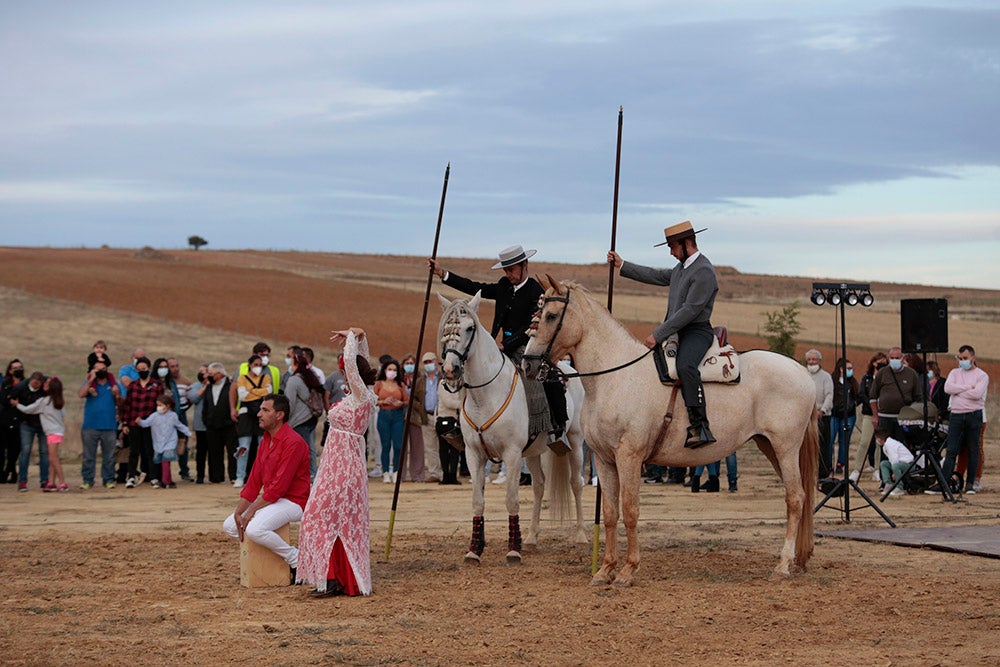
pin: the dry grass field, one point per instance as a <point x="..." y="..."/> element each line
<point x="121" y="577"/>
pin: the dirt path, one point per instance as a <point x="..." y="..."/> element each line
<point x="132" y="576"/>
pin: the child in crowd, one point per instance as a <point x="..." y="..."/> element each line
<point x="897" y="459"/>
<point x="100" y="354"/>
<point x="163" y="425"/>
<point x="50" y="409"/>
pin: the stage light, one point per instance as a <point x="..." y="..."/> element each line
<point x="852" y="298"/>
<point x="834" y="297"/>
<point x="818" y="297"/>
<point x="867" y="299"/>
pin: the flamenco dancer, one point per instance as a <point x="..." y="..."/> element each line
<point x="334" y="548"/>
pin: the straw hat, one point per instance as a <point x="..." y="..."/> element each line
<point x="512" y="256"/>
<point x="428" y="356"/>
<point x="681" y="230"/>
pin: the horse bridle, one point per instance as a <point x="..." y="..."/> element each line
<point x="464" y="356"/>
<point x="544" y="358"/>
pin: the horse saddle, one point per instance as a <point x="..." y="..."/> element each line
<point x="720" y="364"/>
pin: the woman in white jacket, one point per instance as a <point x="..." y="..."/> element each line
<point x="50" y="410"/>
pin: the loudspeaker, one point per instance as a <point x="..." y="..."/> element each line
<point x="924" y="325"/>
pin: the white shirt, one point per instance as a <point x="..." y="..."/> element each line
<point x="896" y="451"/>
<point x="690" y="260"/>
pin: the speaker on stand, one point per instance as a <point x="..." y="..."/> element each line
<point x="923" y="325"/>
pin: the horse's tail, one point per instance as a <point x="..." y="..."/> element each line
<point x="808" y="472"/>
<point x="558" y="484"/>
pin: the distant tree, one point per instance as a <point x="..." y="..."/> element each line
<point x="782" y="328"/>
<point x="196" y="242"/>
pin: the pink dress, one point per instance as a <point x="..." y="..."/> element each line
<point x="337" y="511"/>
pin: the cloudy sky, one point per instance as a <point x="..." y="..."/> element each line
<point x="849" y="139"/>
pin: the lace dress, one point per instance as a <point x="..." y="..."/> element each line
<point x="334" y="535"/>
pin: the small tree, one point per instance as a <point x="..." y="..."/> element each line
<point x="782" y="327"/>
<point x="196" y="242"/>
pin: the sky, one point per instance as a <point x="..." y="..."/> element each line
<point x="839" y="140"/>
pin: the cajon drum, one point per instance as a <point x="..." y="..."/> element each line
<point x="260" y="567"/>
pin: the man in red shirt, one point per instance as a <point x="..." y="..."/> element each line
<point x="281" y="472"/>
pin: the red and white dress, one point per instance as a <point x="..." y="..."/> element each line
<point x="334" y="540"/>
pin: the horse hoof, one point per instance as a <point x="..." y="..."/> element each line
<point x="598" y="581"/>
<point x="581" y="538"/>
<point x="621" y="582"/>
<point x="513" y="558"/>
<point x="531" y="541"/>
<point x="472" y="559"/>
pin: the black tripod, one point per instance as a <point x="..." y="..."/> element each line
<point x="838" y="293"/>
<point x="930" y="457"/>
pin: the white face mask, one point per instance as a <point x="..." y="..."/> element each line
<point x="390" y="375"/>
<point x="162" y="409"/>
<point x="812" y="368"/>
<point x="430" y="368"/>
<point x="895" y="364"/>
<point x="256" y="370"/>
<point x="264" y="359"/>
<point x="288" y="361"/>
<point x="162" y="372"/>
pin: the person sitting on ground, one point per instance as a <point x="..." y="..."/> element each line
<point x="278" y="487"/>
<point x="897" y="459"/>
<point x="163" y="426"/>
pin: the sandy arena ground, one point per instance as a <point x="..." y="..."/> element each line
<point x="139" y="576"/>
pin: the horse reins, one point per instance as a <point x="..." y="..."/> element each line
<point x="543" y="358"/>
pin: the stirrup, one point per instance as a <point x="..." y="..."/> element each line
<point x="560" y="447"/>
<point x="698" y="435"/>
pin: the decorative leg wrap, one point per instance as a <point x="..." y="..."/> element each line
<point x="513" y="533"/>
<point x="478" y="542"/>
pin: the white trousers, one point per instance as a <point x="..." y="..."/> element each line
<point x="263" y="524"/>
<point x="432" y="456"/>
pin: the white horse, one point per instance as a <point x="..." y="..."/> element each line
<point x="625" y="424"/>
<point x="494" y="421"/>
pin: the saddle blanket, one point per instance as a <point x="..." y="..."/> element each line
<point x="720" y="364"/>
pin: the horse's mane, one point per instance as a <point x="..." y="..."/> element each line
<point x="447" y="326"/>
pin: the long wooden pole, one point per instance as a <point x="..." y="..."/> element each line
<point x="611" y="291"/>
<point x="420" y="346"/>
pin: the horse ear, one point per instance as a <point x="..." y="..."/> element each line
<point x="474" y="302"/>
<point x="444" y="302"/>
<point x="556" y="284"/>
<point x="543" y="282"/>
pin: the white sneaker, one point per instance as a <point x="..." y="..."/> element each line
<point x="977" y="487"/>
<point x="897" y="492"/>
<point x="238" y="484"/>
<point x="593" y="480"/>
<point x="130" y="483"/>
<point x="376" y="472"/>
<point x="501" y="479"/>
<point x="876" y="477"/>
<point x="386" y="479"/>
<point x="392" y="476"/>
<point x="855" y="476"/>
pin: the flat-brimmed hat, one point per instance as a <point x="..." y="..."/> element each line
<point x="512" y="255"/>
<point x="428" y="356"/>
<point x="681" y="230"/>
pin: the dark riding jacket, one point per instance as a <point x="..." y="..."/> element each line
<point x="514" y="309"/>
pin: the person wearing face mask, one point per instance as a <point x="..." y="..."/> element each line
<point x="300" y="390"/>
<point x="894" y="387"/>
<point x="138" y="402"/>
<point x="967" y="386"/>
<point x="10" y="423"/>
<point x="935" y="389"/>
<point x="164" y="425"/>
<point x="251" y="388"/>
<point x="392" y="398"/>
<point x="195" y="393"/>
<point x="128" y="374"/>
<point x="220" y="427"/>
<point x="866" y="447"/>
<point x="823" y="382"/>
<point x="262" y="350"/>
<point x="845" y="408"/>
<point x="100" y="425"/>
<point x="430" y="377"/>
<point x="413" y="380"/>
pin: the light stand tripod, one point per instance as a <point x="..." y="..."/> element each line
<point x="930" y="457"/>
<point x="841" y="294"/>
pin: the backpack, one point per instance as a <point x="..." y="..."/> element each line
<point x="315" y="403"/>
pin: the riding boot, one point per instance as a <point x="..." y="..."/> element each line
<point x="695" y="484"/>
<point x="698" y="434"/>
<point x="712" y="485"/>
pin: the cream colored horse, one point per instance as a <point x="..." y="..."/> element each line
<point x="623" y="412"/>
<point x="494" y="421"/>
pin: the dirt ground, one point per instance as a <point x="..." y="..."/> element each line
<point x="136" y="576"/>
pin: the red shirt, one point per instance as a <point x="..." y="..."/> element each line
<point x="140" y="402"/>
<point x="281" y="468"/>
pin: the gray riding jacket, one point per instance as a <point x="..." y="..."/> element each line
<point x="692" y="292"/>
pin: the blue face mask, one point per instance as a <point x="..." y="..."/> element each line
<point x="850" y="372"/>
<point x="430" y="368"/>
<point x="930" y="375"/>
<point x="409" y="368"/>
<point x="965" y="364"/>
<point x="895" y="364"/>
